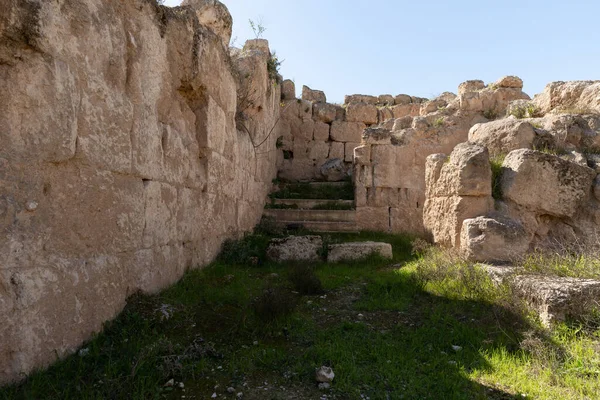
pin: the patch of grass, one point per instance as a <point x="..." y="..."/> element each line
<point x="250" y="250"/>
<point x="439" y="122"/>
<point x="320" y="192"/>
<point x="274" y="303"/>
<point x="304" y="280"/>
<point x="563" y="262"/>
<point x="490" y="114"/>
<point x="496" y="165"/>
<point x="427" y="325"/>
<point x="552" y="150"/>
<point x="274" y="206"/>
<point x="525" y="111"/>
<point x="333" y="206"/>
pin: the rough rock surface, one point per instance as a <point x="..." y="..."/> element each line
<point x="503" y="136"/>
<point x="556" y="298"/>
<point x="334" y="170"/>
<point x="214" y="15"/>
<point x="358" y="250"/>
<point x="458" y="188"/>
<point x="486" y="239"/>
<point x="129" y="170"/>
<point x="295" y="248"/>
<point x="580" y="96"/>
<point x="316" y="96"/>
<point x="544" y="183"/>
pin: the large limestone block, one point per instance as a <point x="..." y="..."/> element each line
<point x="324" y="112"/>
<point x="160" y="221"/>
<point x="404" y="110"/>
<point x="544" y="183"/>
<point x="503" y="136"/>
<point x="510" y="82"/>
<point x="315" y="96"/>
<point x="288" y="90"/>
<point x="334" y="170"/>
<point x="361" y="112"/>
<point x="373" y="218"/>
<point x="349" y="151"/>
<point x="321" y="131"/>
<point x="360" y="98"/>
<point x="214" y="15"/>
<point x="336" y="150"/>
<point x="402" y="99"/>
<point x="498" y="239"/>
<point x="470" y="86"/>
<point x="303" y="129"/>
<point x="385" y="100"/>
<point x="444" y="216"/>
<point x="377" y="135"/>
<point x="295" y="248"/>
<point x="467" y="173"/>
<point x="342" y="131"/>
<point x="560" y="96"/>
<point x="318" y="150"/>
<point x="362" y="155"/>
<point x="357" y="251"/>
<point x="557" y="298"/>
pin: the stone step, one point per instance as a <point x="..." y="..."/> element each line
<point x="319" y="226"/>
<point x="311" y="215"/>
<point x="309" y="204"/>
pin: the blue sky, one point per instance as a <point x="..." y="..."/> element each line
<point x="424" y="48"/>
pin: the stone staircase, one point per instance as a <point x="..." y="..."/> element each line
<point x="314" y="214"/>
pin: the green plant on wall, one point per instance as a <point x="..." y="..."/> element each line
<point x="258" y="28"/>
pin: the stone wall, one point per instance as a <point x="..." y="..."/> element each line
<point x="316" y="133"/>
<point x="390" y="163"/>
<point x="546" y="184"/>
<point x="125" y="159"/>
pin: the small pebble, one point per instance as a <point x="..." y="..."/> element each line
<point x="170" y="383"/>
<point x="456" y="348"/>
<point x="230" y="390"/>
<point x="181" y="385"/>
<point x="214" y="395"/>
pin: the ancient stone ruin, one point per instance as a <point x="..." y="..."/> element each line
<point x="134" y="142"/>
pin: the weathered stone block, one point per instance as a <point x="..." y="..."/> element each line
<point x="321" y="131"/>
<point x="361" y="112"/>
<point x="347" y="131"/>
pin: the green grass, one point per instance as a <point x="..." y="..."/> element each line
<point x="387" y="328"/>
<point x="321" y="192"/>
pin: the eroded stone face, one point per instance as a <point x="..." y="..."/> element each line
<point x="131" y="169"/>
<point x="485" y="239"/>
<point x="544" y="183"/>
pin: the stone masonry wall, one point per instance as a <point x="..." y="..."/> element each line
<point x="315" y="132"/>
<point x="121" y="162"/>
<point x="390" y="164"/>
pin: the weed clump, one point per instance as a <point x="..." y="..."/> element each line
<point x="250" y="250"/>
<point x="305" y="281"/>
<point x="274" y="303"/>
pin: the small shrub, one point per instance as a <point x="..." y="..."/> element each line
<point x="257" y="27"/>
<point x="273" y="65"/>
<point x="420" y="247"/>
<point x="267" y="227"/>
<point x="490" y="114"/>
<point x="525" y="111"/>
<point x="274" y="303"/>
<point x="496" y="165"/>
<point x="245" y="251"/>
<point x="279" y="143"/>
<point x="304" y="280"/>
<point x="439" y="122"/>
